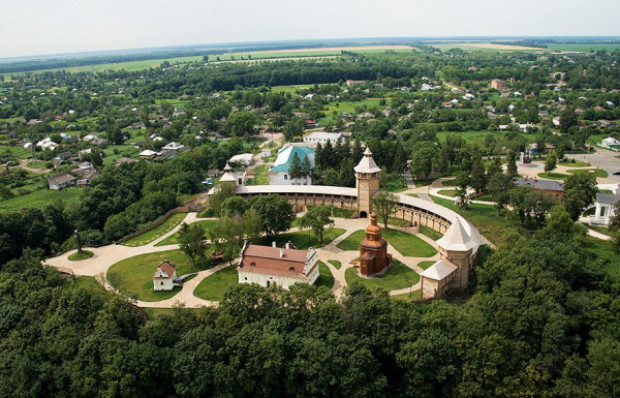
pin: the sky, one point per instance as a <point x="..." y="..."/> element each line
<point x="34" y="27"/>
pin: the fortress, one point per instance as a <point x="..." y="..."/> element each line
<point x="458" y="247"/>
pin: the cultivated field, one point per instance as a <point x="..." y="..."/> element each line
<point x="297" y="53"/>
<point x="485" y="47"/>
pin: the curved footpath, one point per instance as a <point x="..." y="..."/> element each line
<point x="106" y="256"/>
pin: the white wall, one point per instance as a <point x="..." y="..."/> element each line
<point x="162" y="284"/>
<point x="278" y="179"/>
<point x="282" y="281"/>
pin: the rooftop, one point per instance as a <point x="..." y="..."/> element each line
<point x="367" y="164"/>
<point x="285" y="157"/>
<point x="274" y="260"/>
<point x="439" y="270"/>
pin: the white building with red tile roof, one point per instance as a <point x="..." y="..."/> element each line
<point x="164" y="277"/>
<point x="268" y="265"/>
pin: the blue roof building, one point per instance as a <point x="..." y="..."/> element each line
<point x="279" y="172"/>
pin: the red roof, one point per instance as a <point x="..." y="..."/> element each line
<point x="274" y="261"/>
<point x="167" y="267"/>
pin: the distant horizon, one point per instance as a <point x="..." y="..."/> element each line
<point x="316" y="42"/>
<point x="40" y="27"/>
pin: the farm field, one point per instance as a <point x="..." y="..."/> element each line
<point x="585" y="47"/>
<point x="133" y="66"/>
<point x="484" y="47"/>
<point x="478" y="137"/>
<point x="41" y="198"/>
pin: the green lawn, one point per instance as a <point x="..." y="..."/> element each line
<point x="485" y="218"/>
<point x="431" y="233"/>
<point x="134" y="275"/>
<point x="335" y="263"/>
<point x="576" y="163"/>
<point x="17" y="152"/>
<point x="599" y="173"/>
<point x="406" y="244"/>
<point x="80" y="256"/>
<point x="604" y="250"/>
<point x="399" y="276"/>
<point x="553" y="176"/>
<point x="448" y="192"/>
<point x="261" y="175"/>
<point x="449" y="183"/>
<point x="399" y="222"/>
<point x="88" y="283"/>
<point x="426" y="264"/>
<point x="156" y="232"/>
<point x="600" y="229"/>
<point x="413" y="195"/>
<point x="41" y="198"/>
<point x="415" y="295"/>
<point x="326" y="278"/>
<point x="214" y="286"/>
<point x="302" y="239"/>
<point x="174" y="238"/>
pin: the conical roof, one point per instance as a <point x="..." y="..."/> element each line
<point x="456" y="238"/>
<point x="367" y="164"/>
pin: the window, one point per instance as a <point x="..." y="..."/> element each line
<point x="162" y="283"/>
<point x="285" y="177"/>
<point x="252" y="264"/>
<point x="246" y="278"/>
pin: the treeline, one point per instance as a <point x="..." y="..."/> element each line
<point x="123" y="199"/>
<point x="540" y="323"/>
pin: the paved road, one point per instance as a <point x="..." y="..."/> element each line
<point x="603" y="159"/>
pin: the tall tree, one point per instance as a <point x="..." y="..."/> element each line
<point x="579" y="192"/>
<point x="316" y="218"/>
<point x="383" y="203"/>
<point x="551" y="162"/>
<point x="192" y="242"/>
<point x="275" y="211"/>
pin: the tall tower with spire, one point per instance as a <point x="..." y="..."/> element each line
<point x="367" y="175"/>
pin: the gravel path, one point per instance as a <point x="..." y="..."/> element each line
<point x="106" y="256"/>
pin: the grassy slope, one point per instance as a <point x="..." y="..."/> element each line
<point x="41" y="198"/>
<point x="136" y="273"/>
<point x="157" y="232"/>
<point x="399" y="276"/>
<point x="326" y="278"/>
<point x="215" y="286"/>
<point x="174" y="238"/>
<point x="406" y="244"/>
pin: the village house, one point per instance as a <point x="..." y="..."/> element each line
<point x="611" y="143"/>
<point x="499" y="84"/>
<point x="61" y="181"/>
<point x="270" y="265"/>
<point x="234" y="177"/>
<point x="244" y="159"/>
<point x="164" y="277"/>
<point x="604" y="207"/>
<point x="173" y="146"/>
<point x="322" y="137"/>
<point x="279" y="173"/>
<point x="147" y="154"/>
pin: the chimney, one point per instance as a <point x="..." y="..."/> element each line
<point x="273" y="244"/>
<point x="281" y="253"/>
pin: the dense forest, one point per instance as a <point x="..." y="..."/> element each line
<point x="541" y="321"/>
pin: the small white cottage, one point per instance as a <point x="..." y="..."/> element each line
<point x="164" y="277"/>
